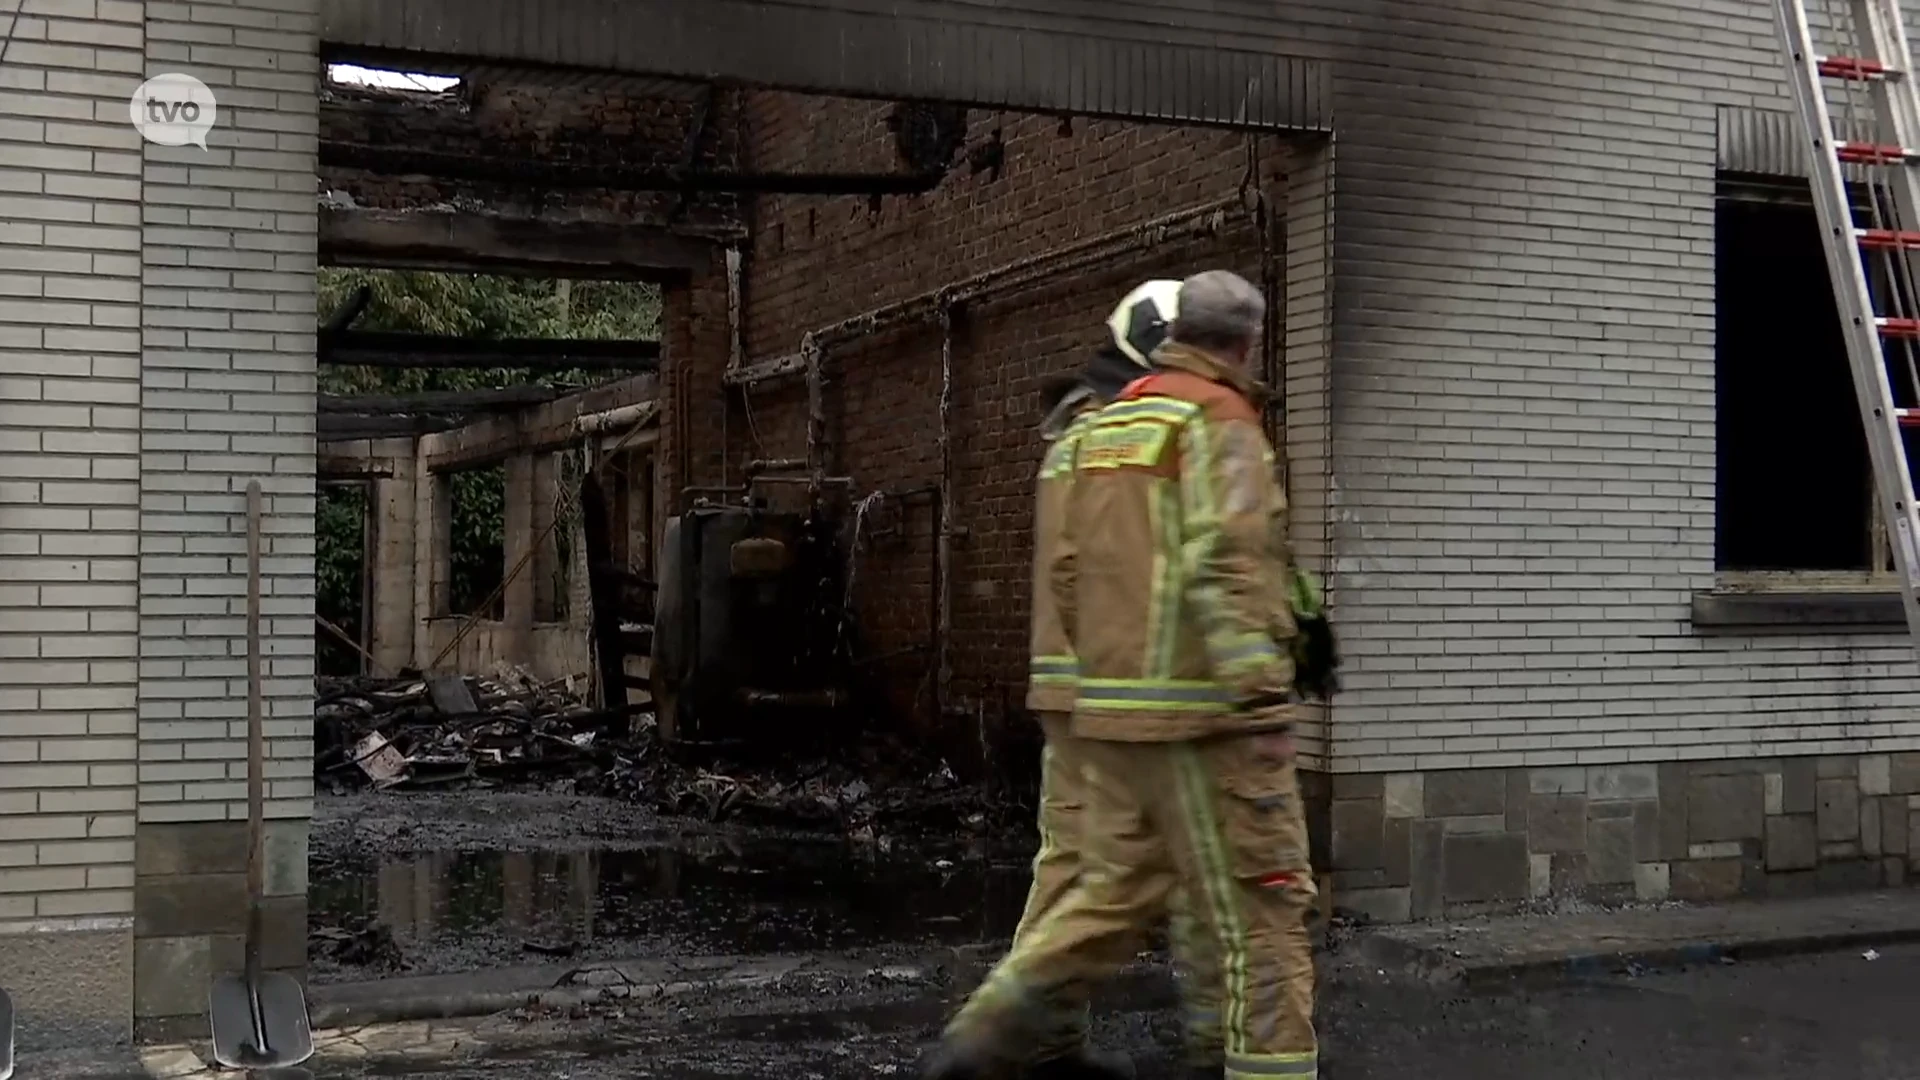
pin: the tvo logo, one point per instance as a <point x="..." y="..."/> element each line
<point x="173" y="110"/>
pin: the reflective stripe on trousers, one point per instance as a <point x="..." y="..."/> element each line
<point x="1156" y="694"/>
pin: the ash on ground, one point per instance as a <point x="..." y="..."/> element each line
<point x="516" y="733"/>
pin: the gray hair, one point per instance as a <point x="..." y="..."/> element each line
<point x="1218" y="309"/>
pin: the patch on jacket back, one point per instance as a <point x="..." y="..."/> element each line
<point x="1246" y="472"/>
<point x="1137" y="445"/>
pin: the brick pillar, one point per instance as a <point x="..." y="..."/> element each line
<point x="394" y="512"/>
<point x="545" y="568"/>
<point x="70" y="290"/>
<point x="227" y="381"/>
<point x="517" y="536"/>
<point x="693" y="332"/>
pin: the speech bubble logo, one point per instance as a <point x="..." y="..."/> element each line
<point x="173" y="110"/>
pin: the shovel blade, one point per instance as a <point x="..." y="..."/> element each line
<point x="6" y="1035"/>
<point x="283" y="1019"/>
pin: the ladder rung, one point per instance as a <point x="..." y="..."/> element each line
<point x="1881" y="239"/>
<point x="1899" y="328"/>
<point x="1907" y="417"/>
<point x="1857" y="153"/>
<point x="1850" y="67"/>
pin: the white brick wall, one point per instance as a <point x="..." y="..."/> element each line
<point x="69" y="458"/>
<point x="228" y="250"/>
<point x="1524" y="459"/>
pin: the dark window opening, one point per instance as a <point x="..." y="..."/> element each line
<point x="340" y="578"/>
<point x="1795" y="484"/>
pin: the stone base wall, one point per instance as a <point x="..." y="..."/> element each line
<point x="1400" y="846"/>
<point x="190" y="917"/>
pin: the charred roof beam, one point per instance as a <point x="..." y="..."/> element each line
<point x="342" y="427"/>
<point x="439" y="402"/>
<point x="380" y="349"/>
<point x="406" y="161"/>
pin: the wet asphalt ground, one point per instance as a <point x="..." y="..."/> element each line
<point x="589" y="880"/>
<point x="1827" y="1017"/>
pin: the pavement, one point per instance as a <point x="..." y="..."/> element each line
<point x="1554" y="946"/>
<point x="1825" y="1015"/>
<point x="1541" y="948"/>
<point x="837" y="962"/>
<point x="1788" y="988"/>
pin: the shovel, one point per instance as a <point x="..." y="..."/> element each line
<point x="259" y="1019"/>
<point x="6" y="1035"/>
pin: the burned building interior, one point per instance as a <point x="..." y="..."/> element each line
<point x="706" y="415"/>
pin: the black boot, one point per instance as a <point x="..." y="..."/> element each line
<point x="1084" y="1064"/>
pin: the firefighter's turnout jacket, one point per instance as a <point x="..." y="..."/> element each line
<point x="1051" y="668"/>
<point x="1171" y="573"/>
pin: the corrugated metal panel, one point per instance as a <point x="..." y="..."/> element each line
<point x="1761" y="142"/>
<point x="968" y="54"/>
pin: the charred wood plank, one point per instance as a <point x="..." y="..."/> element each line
<point x="349" y="467"/>
<point x="442" y="402"/>
<point x="379" y="349"/>
<point x="407" y="161"/>
<point x="466" y="242"/>
<point x="340" y="427"/>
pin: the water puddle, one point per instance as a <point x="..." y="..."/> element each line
<point x="459" y="910"/>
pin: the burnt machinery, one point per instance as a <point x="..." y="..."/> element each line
<point x="749" y="639"/>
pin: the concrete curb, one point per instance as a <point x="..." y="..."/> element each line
<point x="1444" y="965"/>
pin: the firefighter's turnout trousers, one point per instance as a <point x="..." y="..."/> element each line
<point x="1056" y="867"/>
<point x="1214" y="815"/>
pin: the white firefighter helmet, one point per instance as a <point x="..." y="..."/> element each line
<point x="1141" y="321"/>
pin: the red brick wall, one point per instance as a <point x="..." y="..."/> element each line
<point x="816" y="260"/>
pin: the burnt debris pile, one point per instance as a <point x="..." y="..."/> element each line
<point x="516" y="733"/>
<point x="454" y="731"/>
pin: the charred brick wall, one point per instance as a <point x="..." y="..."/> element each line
<point x="816" y="260"/>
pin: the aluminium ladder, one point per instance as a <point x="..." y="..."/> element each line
<point x="1880" y="141"/>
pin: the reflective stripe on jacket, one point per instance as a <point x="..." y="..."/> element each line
<point x="1172" y="573"/>
<point x="1051" y="668"/>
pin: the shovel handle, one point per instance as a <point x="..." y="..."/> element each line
<point x="256" y="740"/>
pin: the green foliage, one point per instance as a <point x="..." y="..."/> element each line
<point x="481" y="306"/>
<point x="467" y="305"/>
<point x="479" y="544"/>
<point x="341" y="522"/>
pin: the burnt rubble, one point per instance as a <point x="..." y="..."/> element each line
<point x="514" y="732"/>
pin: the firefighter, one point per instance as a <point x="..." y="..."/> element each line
<point x="1172" y="580"/>
<point x="1136" y="327"/>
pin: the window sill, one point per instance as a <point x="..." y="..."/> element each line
<point x="1861" y="610"/>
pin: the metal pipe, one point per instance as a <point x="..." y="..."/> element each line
<point x="765" y="465"/>
<point x="943" y="632"/>
<point x="736" y="302"/>
<point x="831" y="698"/>
<point x="811" y="351"/>
<point x="837" y="481"/>
<point x="613" y="419"/>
